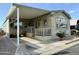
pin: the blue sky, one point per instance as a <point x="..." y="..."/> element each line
<point x="72" y="9"/>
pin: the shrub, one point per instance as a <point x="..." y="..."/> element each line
<point x="60" y="35"/>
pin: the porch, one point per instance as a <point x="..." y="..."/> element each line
<point x="21" y="21"/>
<point x="30" y="29"/>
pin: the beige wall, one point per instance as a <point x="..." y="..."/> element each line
<point x="42" y="18"/>
<point x="53" y="24"/>
<point x="51" y="20"/>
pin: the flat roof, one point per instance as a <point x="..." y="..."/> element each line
<point x="25" y="11"/>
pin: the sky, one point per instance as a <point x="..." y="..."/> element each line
<point x="71" y="8"/>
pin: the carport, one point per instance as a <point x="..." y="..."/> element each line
<point x="23" y="12"/>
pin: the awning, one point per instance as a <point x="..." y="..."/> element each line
<point x="25" y="12"/>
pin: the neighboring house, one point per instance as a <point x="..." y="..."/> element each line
<point x="36" y="23"/>
<point x="2" y="32"/>
<point x="73" y="24"/>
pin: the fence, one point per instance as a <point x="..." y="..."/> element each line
<point x="43" y="31"/>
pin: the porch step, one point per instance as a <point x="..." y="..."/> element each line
<point x="32" y="42"/>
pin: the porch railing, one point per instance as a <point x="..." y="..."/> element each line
<point x="30" y="29"/>
<point x="43" y="31"/>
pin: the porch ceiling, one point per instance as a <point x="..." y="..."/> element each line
<point x="25" y="12"/>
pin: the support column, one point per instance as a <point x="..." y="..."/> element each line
<point x="17" y="26"/>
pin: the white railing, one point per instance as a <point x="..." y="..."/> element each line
<point x="43" y="31"/>
<point x="30" y="29"/>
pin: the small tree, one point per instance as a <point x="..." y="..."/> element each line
<point x="61" y="35"/>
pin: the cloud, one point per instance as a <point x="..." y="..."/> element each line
<point x="73" y="11"/>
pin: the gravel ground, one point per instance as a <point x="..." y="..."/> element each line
<point x="7" y="47"/>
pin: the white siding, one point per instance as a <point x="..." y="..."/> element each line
<point x="6" y="27"/>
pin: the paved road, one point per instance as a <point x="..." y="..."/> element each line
<point x="71" y="51"/>
<point x="7" y="47"/>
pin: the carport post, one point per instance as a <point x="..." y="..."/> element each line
<point x="17" y="26"/>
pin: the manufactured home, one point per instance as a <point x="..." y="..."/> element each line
<point x="36" y="23"/>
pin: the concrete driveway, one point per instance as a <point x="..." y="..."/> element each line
<point x="71" y="51"/>
<point x="7" y="47"/>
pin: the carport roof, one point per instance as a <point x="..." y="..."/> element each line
<point x="25" y="12"/>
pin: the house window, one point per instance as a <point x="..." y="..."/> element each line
<point x="11" y="25"/>
<point x="20" y="24"/>
<point x="61" y="22"/>
<point x="37" y="24"/>
<point x="45" y="23"/>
